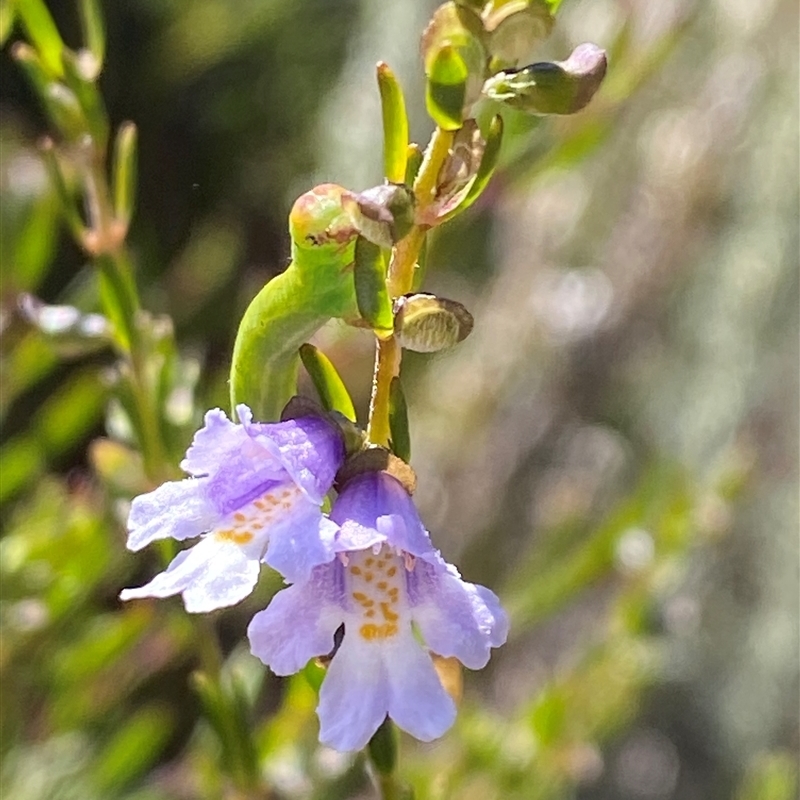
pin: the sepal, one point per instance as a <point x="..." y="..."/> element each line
<point x="426" y="323"/>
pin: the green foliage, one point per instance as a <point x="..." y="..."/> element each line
<point x="332" y="392"/>
<point x="369" y="274"/>
<point x="102" y="701"/>
<point x="395" y="125"/>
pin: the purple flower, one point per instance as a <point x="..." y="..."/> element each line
<point x="387" y="577"/>
<point x="255" y="492"/>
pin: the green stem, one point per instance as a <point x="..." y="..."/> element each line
<point x="382" y="750"/>
<point x="106" y="243"/>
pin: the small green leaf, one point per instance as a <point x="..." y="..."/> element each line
<point x="93" y="27"/>
<point x="395" y="125"/>
<point x="66" y="199"/>
<point x="43" y="33"/>
<point x="134" y="748"/>
<point x="65" y="111"/>
<point x="372" y="295"/>
<point x="414" y="158"/>
<point x="446" y="88"/>
<point x="548" y="716"/>
<point x="80" y="75"/>
<point x="226" y="709"/>
<point x="398" y="422"/>
<point x="119" y="299"/>
<point x="31" y="64"/>
<point x="330" y="387"/>
<point x="60" y="103"/>
<point x="124" y="172"/>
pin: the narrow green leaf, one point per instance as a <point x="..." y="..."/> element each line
<point x="330" y="387"/>
<point x="243" y="733"/>
<point x="80" y="76"/>
<point x="446" y="88"/>
<point x="43" y="33"/>
<point x="124" y="172"/>
<point x="69" y="207"/>
<point x="6" y="20"/>
<point x="372" y="295"/>
<point x="226" y="710"/>
<point x="21" y="461"/>
<point x="395" y="125"/>
<point x="93" y="27"/>
<point x="118" y="298"/>
<point x="60" y="103"/>
<point x="398" y="421"/>
<point x="414" y="156"/>
<point x="65" y="111"/>
<point x="28" y="59"/>
<point x="133" y="749"/>
<point x="32" y="250"/>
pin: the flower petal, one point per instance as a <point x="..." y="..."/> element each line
<point x="210" y="575"/>
<point x="418" y="702"/>
<point x="179" y="509"/>
<point x="299" y="623"/>
<point x="456" y="618"/>
<point x="309" y="449"/>
<point x="354" y="697"/>
<point x="374" y="508"/>
<point x="213" y="443"/>
<point x="301" y="541"/>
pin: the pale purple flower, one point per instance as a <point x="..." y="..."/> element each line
<point x="387" y="576"/>
<point x="255" y="492"/>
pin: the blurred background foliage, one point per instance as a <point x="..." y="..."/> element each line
<point x="614" y="449"/>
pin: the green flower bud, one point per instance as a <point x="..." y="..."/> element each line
<point x="559" y="87"/>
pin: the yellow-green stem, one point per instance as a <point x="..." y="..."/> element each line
<point x="400" y="281"/>
<point x="108" y="248"/>
<point x="387" y="365"/>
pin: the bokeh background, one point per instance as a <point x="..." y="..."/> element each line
<point x="613" y="450"/>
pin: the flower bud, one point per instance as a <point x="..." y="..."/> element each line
<point x="559" y="87"/>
